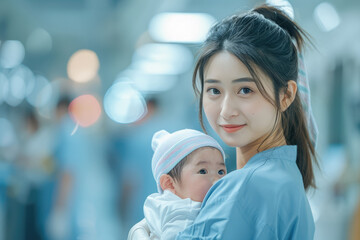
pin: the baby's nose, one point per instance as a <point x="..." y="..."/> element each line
<point x="215" y="178"/>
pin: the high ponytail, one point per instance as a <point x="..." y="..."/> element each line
<point x="294" y="124"/>
<point x="265" y="37"/>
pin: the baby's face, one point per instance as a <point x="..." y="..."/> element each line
<point x="203" y="168"/>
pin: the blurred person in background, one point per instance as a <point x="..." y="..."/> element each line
<point x="38" y="170"/>
<point x="355" y="229"/>
<point x="348" y="180"/>
<point x="11" y="204"/>
<point x="32" y="169"/>
<point x="83" y="201"/>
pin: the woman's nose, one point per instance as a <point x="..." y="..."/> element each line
<point x="228" y="108"/>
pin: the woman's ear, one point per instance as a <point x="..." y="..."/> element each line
<point x="288" y="95"/>
<point x="167" y="183"/>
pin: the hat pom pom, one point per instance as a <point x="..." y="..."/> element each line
<point x="158" y="137"/>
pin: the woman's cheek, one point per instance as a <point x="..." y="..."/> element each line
<point x="211" y="113"/>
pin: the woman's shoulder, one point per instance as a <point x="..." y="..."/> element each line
<point x="277" y="168"/>
<point x="269" y="179"/>
<point x="260" y="191"/>
<point x="231" y="187"/>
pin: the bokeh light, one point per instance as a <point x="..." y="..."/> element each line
<point x="19" y="82"/>
<point x="154" y="58"/>
<point x="326" y="16"/>
<point x="83" y="66"/>
<point x="29" y="78"/>
<point x="148" y="83"/>
<point x="124" y="104"/>
<point x="12" y="53"/>
<point x="48" y="108"/>
<point x="16" y="91"/>
<point x="180" y="27"/>
<point x="85" y="110"/>
<point x="39" y="42"/>
<point x="40" y="93"/>
<point x="283" y="5"/>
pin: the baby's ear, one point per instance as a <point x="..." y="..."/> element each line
<point x="167" y="183"/>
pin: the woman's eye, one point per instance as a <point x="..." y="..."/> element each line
<point x="245" y="90"/>
<point x="221" y="172"/>
<point x="213" y="91"/>
<point x="203" y="171"/>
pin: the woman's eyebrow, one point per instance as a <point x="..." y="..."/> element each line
<point x="212" y="81"/>
<point x="244" y="79"/>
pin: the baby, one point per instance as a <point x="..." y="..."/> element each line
<point x="185" y="165"/>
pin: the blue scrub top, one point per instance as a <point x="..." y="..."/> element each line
<point x="263" y="200"/>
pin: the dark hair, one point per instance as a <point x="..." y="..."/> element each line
<point x="265" y="38"/>
<point x="175" y="173"/>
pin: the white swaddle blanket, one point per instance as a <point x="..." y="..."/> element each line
<point x="168" y="214"/>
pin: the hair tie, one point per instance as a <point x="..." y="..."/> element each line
<point x="304" y="91"/>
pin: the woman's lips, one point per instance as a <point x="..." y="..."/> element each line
<point x="230" y="128"/>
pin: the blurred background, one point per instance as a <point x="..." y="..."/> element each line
<point x="85" y="83"/>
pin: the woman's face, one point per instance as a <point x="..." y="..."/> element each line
<point x="233" y="104"/>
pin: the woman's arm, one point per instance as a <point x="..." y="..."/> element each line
<point x="222" y="215"/>
<point x="219" y="219"/>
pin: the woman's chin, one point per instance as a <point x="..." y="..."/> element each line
<point x="231" y="142"/>
<point x="235" y="142"/>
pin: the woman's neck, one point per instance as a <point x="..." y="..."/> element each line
<point x="243" y="154"/>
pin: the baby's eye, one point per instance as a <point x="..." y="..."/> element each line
<point x="221" y="172"/>
<point x="213" y="91"/>
<point x="245" y="90"/>
<point x="203" y="171"/>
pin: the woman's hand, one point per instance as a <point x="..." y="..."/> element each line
<point x="139" y="231"/>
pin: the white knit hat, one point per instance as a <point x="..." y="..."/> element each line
<point x="170" y="149"/>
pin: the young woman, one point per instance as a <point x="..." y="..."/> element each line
<point x="247" y="77"/>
